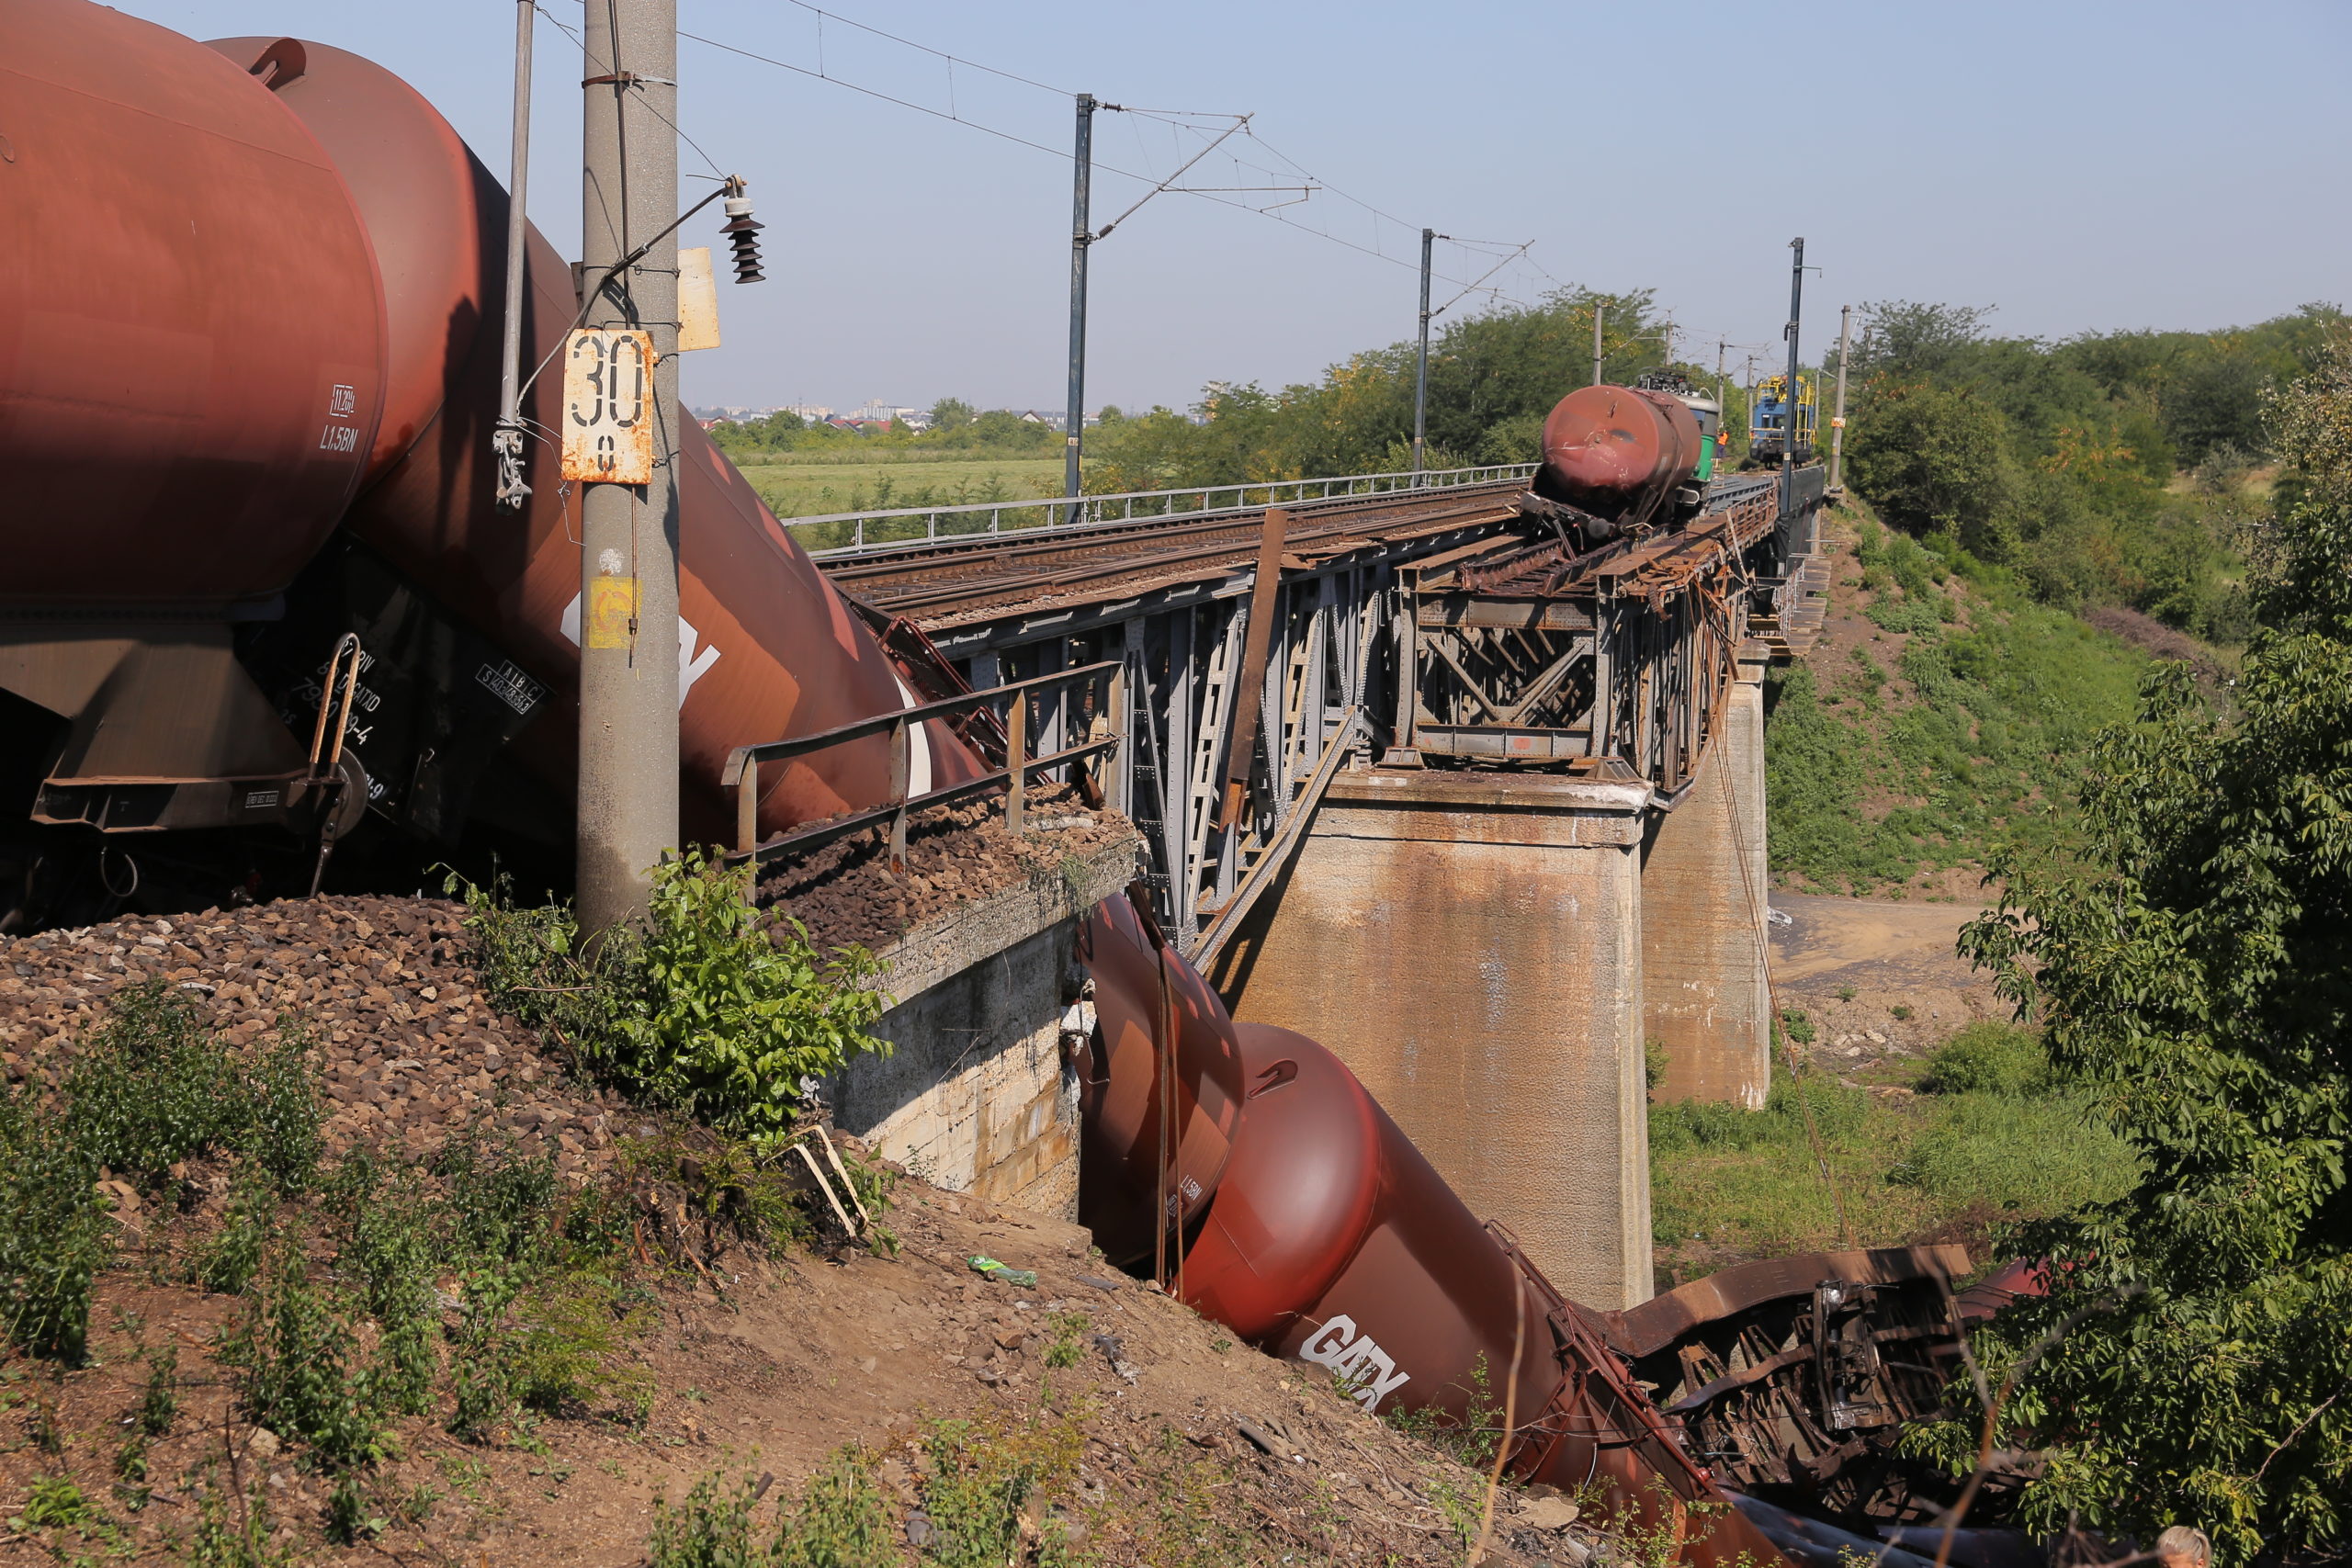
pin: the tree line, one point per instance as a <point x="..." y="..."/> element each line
<point x="955" y="426"/>
<point x="2105" y="468"/>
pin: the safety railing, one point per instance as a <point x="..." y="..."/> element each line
<point x="742" y="772"/>
<point x="843" y="533"/>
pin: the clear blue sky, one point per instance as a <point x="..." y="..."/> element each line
<point x="2080" y="165"/>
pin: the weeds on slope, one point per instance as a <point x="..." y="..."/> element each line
<point x="707" y="1010"/>
<point x="1962" y="725"/>
<point x="1990" y="1135"/>
<point x="473" y="1289"/>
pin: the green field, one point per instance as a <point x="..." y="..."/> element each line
<point x="796" y="487"/>
<point x="1980" y="1134"/>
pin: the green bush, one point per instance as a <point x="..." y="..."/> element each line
<point x="226" y="1261"/>
<point x="285" y="1134"/>
<point x="1911" y="615"/>
<point x="1988" y="1057"/>
<point x="159" y="1401"/>
<point x="502" y="1201"/>
<point x="233" y="1531"/>
<point x="57" y="1502"/>
<point x="843" y="1521"/>
<point x="151" y="1086"/>
<point x="705" y="1010"/>
<point x="569" y="1338"/>
<point x="300" y="1373"/>
<point x="979" y="1475"/>
<point x="483" y="1365"/>
<point x="54" y="1233"/>
<point x="154" y="1086"/>
<point x="712" y="1528"/>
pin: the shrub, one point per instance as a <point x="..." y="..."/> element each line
<point x="159" y="1402"/>
<point x="54" y="1234"/>
<point x="389" y="1244"/>
<point x="841" y="1522"/>
<point x="149" y="1087"/>
<point x="705" y="1010"/>
<point x="57" y="1501"/>
<point x="233" y="1531"/>
<point x="231" y="1258"/>
<point x="1990" y="1057"/>
<point x="980" y="1474"/>
<point x="567" y="1344"/>
<point x="154" y="1086"/>
<point x="502" y="1201"/>
<point x="284" y="1134"/>
<point x="1069" y="1334"/>
<point x="712" y="1528"/>
<point x="300" y="1369"/>
<point x="483" y="1366"/>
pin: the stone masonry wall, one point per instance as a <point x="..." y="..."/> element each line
<point x="974" y="1096"/>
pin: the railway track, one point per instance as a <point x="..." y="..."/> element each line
<point x="938" y="584"/>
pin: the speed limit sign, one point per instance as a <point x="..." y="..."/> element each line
<point x="609" y="407"/>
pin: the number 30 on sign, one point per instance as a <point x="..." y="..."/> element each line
<point x="609" y="407"/>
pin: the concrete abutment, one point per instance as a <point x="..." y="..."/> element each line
<point x="1706" y="999"/>
<point x="1471" y="945"/>
<point x="975" y="1096"/>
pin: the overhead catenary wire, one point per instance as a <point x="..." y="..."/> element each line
<point x="573" y="34"/>
<point x="1174" y="116"/>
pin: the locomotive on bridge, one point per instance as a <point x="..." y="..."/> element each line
<point x="1777" y="420"/>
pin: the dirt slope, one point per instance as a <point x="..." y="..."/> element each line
<point x="755" y="1364"/>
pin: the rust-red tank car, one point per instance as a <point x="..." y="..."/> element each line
<point x="1619" y="451"/>
<point x="1129" y="1092"/>
<point x="766" y="647"/>
<point x="1322" y="1234"/>
<point x="192" y="342"/>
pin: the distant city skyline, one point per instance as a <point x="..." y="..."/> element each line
<point x="2085" y="166"/>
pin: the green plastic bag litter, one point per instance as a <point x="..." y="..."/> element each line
<point x="1024" y="1278"/>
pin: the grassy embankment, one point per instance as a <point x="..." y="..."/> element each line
<point x="1944" y="1149"/>
<point x="1942" y="714"/>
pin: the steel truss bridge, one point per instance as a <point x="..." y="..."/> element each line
<point x="1262" y="645"/>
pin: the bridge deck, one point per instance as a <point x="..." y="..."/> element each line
<point x="1457" y="625"/>
<point x="987" y="578"/>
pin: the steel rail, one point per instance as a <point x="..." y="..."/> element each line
<point x="922" y="592"/>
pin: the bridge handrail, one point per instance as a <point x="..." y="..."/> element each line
<point x="742" y="772"/>
<point x="1094" y="511"/>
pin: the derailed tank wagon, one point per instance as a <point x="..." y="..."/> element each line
<point x="254" y="415"/>
<point x="253" y="420"/>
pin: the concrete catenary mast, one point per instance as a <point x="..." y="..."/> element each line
<point x="628" y="654"/>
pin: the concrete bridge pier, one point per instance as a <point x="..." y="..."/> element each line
<point x="1706" y="999"/>
<point x="1471" y="944"/>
